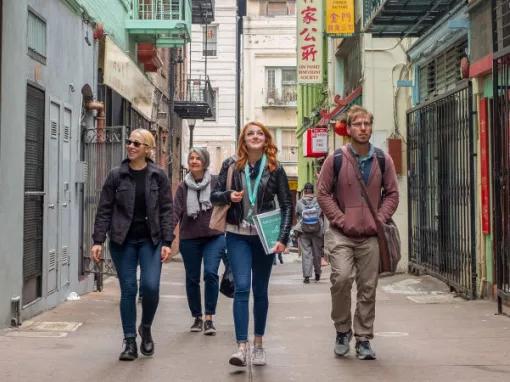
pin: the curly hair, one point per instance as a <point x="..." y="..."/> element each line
<point x="270" y="148"/>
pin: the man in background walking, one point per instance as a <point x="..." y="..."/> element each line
<point x="351" y="240"/>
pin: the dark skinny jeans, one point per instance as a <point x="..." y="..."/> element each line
<point x="126" y="258"/>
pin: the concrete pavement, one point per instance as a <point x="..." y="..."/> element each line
<point x="423" y="334"/>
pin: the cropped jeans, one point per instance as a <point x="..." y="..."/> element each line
<point x="126" y="258"/>
<point x="193" y="251"/>
<point x="251" y="268"/>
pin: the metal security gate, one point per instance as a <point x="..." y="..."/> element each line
<point x="34" y="196"/>
<point x="501" y="175"/>
<point x="441" y="189"/>
<point x="104" y="149"/>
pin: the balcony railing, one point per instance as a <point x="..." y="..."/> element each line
<point x="198" y="101"/>
<point x="278" y="97"/>
<point x="166" y="23"/>
<point x="397" y="18"/>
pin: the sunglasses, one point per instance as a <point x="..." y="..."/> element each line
<point x="135" y="143"/>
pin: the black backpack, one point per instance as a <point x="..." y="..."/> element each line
<point x="338" y="157"/>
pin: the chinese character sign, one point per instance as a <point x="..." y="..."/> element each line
<point x="310" y="14"/>
<point x="340" y="17"/>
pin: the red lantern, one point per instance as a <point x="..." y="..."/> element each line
<point x="341" y="128"/>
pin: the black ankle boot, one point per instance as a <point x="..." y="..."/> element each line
<point x="130" y="352"/>
<point x="147" y="345"/>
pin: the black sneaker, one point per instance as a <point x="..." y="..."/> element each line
<point x="342" y="343"/>
<point x="306" y="280"/>
<point x="317" y="277"/>
<point x="364" y="351"/>
<point x="197" y="325"/>
<point x="209" y="328"/>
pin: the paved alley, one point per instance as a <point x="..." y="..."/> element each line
<point x="423" y="334"/>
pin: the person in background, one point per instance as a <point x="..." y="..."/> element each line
<point x="311" y="237"/>
<point x="257" y="178"/>
<point x="135" y="210"/>
<point x="198" y="243"/>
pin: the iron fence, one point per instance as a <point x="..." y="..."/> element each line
<point x="501" y="175"/>
<point x="104" y="149"/>
<point x="441" y="187"/>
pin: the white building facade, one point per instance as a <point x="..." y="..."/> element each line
<point x="269" y="75"/>
<point x="218" y="132"/>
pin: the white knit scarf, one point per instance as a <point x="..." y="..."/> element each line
<point x="193" y="204"/>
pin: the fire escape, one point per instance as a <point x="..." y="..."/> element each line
<point x="198" y="100"/>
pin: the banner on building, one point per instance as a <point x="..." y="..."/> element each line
<point x="310" y="48"/>
<point x="122" y="75"/>
<point x="340" y="18"/>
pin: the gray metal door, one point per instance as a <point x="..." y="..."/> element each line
<point x="34" y="196"/>
<point x="52" y="204"/>
<point x="64" y="198"/>
<point x="59" y="198"/>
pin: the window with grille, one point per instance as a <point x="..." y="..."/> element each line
<point x="36" y="37"/>
<point x="502" y="17"/>
<point x="281" y="86"/>
<point x="289" y="147"/>
<point x="442" y="72"/>
<point x="159" y="10"/>
<point x="278" y="7"/>
<point x="210" y="41"/>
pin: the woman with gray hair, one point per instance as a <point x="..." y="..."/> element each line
<point x="192" y="210"/>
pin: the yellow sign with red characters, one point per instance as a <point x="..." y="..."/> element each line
<point x="340" y="18"/>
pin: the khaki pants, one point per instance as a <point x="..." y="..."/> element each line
<point x="353" y="259"/>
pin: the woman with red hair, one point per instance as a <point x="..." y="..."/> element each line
<point x="257" y="178"/>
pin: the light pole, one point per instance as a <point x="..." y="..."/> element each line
<point x="191" y="125"/>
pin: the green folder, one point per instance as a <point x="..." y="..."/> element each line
<point x="268" y="228"/>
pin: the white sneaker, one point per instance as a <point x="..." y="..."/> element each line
<point x="258" y="356"/>
<point x="239" y="357"/>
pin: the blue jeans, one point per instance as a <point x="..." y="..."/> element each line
<point x="251" y="267"/>
<point x="210" y="249"/>
<point x="126" y="258"/>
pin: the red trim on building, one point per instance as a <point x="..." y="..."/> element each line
<point x="481" y="67"/>
<point x="341" y="104"/>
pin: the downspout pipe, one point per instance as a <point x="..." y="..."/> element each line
<point x="98" y="106"/>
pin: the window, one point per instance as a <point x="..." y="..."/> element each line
<point x="210" y="40"/>
<point x="36" y="37"/>
<point x="215" y="106"/>
<point x="277" y="7"/>
<point x="441" y="73"/>
<point x="289" y="147"/>
<point x="281" y="86"/>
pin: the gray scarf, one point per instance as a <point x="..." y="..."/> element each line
<point x="193" y="204"/>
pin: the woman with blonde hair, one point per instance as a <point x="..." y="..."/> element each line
<point x="257" y="178"/>
<point x="135" y="210"/>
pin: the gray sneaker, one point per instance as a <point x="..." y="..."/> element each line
<point x="364" y="350"/>
<point x="238" y="358"/>
<point x="342" y="343"/>
<point x="258" y="356"/>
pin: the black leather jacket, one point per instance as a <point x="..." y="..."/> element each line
<point x="117" y="203"/>
<point x="271" y="184"/>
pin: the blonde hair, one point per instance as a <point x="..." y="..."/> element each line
<point x="148" y="139"/>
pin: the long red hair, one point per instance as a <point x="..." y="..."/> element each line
<point x="270" y="148"/>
